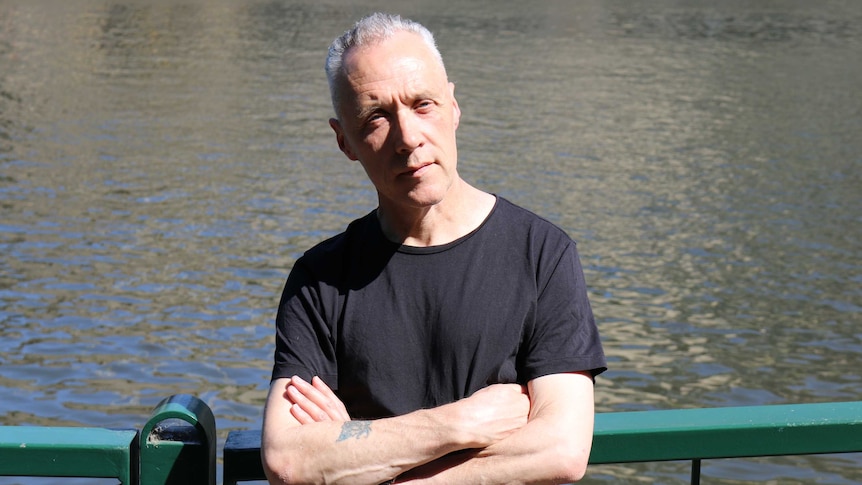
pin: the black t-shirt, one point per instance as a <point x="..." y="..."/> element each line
<point x="395" y="328"/>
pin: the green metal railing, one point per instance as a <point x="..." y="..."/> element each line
<point x="35" y="451"/>
<point x="732" y="432"/>
<point x="177" y="445"/>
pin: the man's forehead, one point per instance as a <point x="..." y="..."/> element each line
<point x="370" y="73"/>
<point x="403" y="47"/>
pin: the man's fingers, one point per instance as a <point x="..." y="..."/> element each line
<point x="334" y="403"/>
<point x="316" y="400"/>
<point x="298" y="395"/>
<point x="300" y="415"/>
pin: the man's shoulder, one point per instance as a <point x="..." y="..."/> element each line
<point x="334" y="248"/>
<point x="520" y="219"/>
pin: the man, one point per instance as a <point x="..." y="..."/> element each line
<point x="445" y="337"/>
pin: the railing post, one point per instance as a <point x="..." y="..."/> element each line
<point x="242" y="457"/>
<point x="695" y="471"/>
<point x="178" y="443"/>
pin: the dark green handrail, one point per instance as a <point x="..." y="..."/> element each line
<point x="731" y="432"/>
<point x="39" y="451"/>
<point x="177" y="444"/>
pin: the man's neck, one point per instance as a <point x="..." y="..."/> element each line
<point x="461" y="212"/>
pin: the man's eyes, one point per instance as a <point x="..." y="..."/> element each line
<point x="377" y="116"/>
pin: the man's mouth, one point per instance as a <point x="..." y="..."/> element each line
<point x="418" y="170"/>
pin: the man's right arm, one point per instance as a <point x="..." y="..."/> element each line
<point x="334" y="449"/>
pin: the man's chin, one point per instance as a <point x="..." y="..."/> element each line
<point x="426" y="198"/>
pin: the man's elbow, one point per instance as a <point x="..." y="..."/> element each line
<point x="279" y="468"/>
<point x="575" y="471"/>
<point x="570" y="459"/>
<point x="274" y="466"/>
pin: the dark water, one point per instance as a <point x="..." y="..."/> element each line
<point x="162" y="165"/>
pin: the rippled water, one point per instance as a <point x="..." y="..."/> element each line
<point x="162" y="165"/>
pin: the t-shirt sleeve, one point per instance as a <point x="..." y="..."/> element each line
<point x="304" y="344"/>
<point x="564" y="337"/>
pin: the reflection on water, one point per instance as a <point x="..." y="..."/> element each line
<point x="161" y="167"/>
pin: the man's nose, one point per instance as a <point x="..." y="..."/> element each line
<point x="407" y="133"/>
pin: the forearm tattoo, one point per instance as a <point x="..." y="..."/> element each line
<point x="355" y="429"/>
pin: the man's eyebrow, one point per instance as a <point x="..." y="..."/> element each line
<point x="432" y="95"/>
<point x="363" y="112"/>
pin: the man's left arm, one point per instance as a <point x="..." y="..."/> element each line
<point x="552" y="448"/>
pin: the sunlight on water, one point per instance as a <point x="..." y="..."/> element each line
<point x="162" y="166"/>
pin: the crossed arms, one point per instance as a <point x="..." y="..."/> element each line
<point x="501" y="434"/>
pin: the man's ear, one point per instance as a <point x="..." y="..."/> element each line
<point x="457" y="109"/>
<point x="339" y="136"/>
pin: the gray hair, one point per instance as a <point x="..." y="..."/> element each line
<point x="369" y="30"/>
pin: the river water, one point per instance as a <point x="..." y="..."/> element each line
<point x="163" y="164"/>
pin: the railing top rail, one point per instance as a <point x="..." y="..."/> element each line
<point x="59" y="437"/>
<point x="686" y="434"/>
<point x="69" y="452"/>
<point x="167" y="456"/>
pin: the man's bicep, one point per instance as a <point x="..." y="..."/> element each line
<point x="562" y="407"/>
<point x="565" y="397"/>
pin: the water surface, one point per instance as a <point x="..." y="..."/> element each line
<point x="163" y="165"/>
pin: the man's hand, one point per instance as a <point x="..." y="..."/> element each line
<point x="493" y="413"/>
<point x="314" y="402"/>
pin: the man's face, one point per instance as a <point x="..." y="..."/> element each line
<point x="398" y="117"/>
